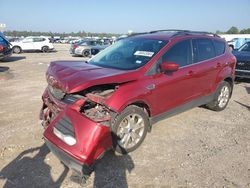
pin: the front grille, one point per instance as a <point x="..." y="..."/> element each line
<point x="65" y="126"/>
<point x="57" y="93"/>
<point x="243" y="65"/>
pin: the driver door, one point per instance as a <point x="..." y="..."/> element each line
<point x="173" y="89"/>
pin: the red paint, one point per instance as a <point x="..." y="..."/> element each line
<point x="171" y="89"/>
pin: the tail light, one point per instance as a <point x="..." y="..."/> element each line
<point x="75" y="46"/>
<point x="1" y="48"/>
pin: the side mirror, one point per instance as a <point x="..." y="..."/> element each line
<point x="169" y="66"/>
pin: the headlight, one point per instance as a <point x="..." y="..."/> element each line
<point x="66" y="138"/>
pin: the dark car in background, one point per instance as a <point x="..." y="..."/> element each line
<point x="86" y="48"/>
<point x="242" y="55"/>
<point x="5" y="47"/>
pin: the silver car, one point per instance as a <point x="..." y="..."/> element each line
<point x="87" y="48"/>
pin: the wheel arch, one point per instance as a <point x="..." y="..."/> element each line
<point x="230" y="80"/>
<point x="17" y="46"/>
<point x="142" y="104"/>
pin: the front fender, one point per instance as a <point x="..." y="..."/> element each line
<point x="127" y="94"/>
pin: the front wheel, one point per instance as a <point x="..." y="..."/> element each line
<point x="16" y="50"/>
<point x="129" y="129"/>
<point x="222" y="97"/>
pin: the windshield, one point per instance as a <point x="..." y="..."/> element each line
<point x="245" y="47"/>
<point x="128" y="54"/>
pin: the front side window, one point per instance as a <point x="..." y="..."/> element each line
<point x="128" y="54"/>
<point x="180" y="53"/>
<point x="203" y="49"/>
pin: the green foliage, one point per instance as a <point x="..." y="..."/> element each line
<point x="15" y="33"/>
<point x="233" y="30"/>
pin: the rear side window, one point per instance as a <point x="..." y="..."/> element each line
<point x="180" y="53"/>
<point x="38" y="39"/>
<point x="219" y="47"/>
<point x="203" y="49"/>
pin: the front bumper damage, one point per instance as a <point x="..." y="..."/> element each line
<point x="92" y="138"/>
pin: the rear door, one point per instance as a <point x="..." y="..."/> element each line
<point x="38" y="43"/>
<point x="205" y="65"/>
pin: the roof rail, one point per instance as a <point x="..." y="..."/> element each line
<point x="168" y="30"/>
<point x="177" y="32"/>
<point x="185" y="32"/>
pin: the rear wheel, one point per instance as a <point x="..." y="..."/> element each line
<point x="129" y="129"/>
<point x="45" y="49"/>
<point x="86" y="53"/>
<point x="222" y="97"/>
<point x="16" y="49"/>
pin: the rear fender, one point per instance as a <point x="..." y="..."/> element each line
<point x="226" y="72"/>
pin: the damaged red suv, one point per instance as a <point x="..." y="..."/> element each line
<point x="111" y="101"/>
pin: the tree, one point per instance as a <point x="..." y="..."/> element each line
<point x="233" y="30"/>
<point x="245" y="31"/>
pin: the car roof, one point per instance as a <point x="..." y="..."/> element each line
<point x="170" y="34"/>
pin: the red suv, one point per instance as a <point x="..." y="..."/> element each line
<point x="111" y="101"/>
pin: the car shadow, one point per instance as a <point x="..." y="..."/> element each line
<point x="27" y="171"/>
<point x="12" y="59"/>
<point x="244" y="105"/>
<point x="111" y="170"/>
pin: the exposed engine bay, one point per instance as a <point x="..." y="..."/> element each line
<point x="90" y="101"/>
<point x="93" y="107"/>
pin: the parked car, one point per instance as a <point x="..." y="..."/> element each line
<point x="236" y="43"/>
<point x="32" y="44"/>
<point x="86" y="48"/>
<point x="5" y="47"/>
<point x="112" y="101"/>
<point x="243" y="61"/>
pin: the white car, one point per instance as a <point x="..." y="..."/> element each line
<point x="32" y="43"/>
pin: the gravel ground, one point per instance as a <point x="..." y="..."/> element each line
<point x="198" y="148"/>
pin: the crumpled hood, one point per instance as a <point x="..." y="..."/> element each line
<point x="74" y="76"/>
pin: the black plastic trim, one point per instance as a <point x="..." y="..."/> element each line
<point x="72" y="163"/>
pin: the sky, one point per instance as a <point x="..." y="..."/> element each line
<point x="116" y="16"/>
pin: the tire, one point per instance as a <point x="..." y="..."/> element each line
<point x="16" y="49"/>
<point x="86" y="53"/>
<point x="45" y="49"/>
<point x="221" y="98"/>
<point x="126" y="136"/>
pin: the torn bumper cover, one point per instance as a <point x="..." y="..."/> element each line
<point x="75" y="139"/>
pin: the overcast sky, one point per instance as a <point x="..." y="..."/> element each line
<point x="117" y="16"/>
